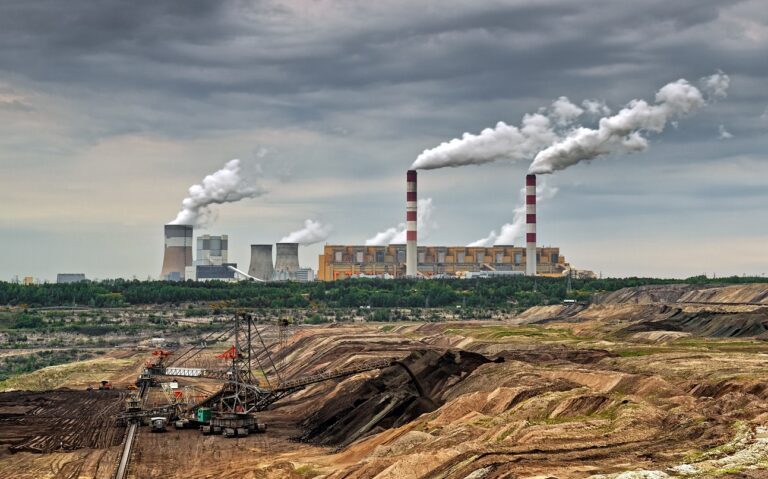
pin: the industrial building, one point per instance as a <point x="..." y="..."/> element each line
<point x="211" y="260"/>
<point x="212" y="250"/>
<point x="341" y="261"/>
<point x="286" y="261"/>
<point x="261" y="266"/>
<point x="178" y="252"/>
<point x="62" y="278"/>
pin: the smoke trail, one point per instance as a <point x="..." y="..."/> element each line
<point x="510" y="232"/>
<point x="313" y="232"/>
<point x="596" y="107"/>
<point x="716" y="86"/>
<point x="223" y="186"/>
<point x="623" y="132"/>
<point x="492" y="144"/>
<point x="564" y="112"/>
<point x="396" y="234"/>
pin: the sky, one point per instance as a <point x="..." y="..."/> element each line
<point x="110" y="110"/>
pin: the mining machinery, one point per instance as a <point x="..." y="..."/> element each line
<point x="232" y="410"/>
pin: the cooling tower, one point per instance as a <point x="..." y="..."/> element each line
<point x="287" y="260"/>
<point x="411" y="258"/>
<point x="178" y="252"/>
<point x="530" y="225"/>
<point x="261" y="262"/>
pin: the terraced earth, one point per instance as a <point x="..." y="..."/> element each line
<point x="647" y="383"/>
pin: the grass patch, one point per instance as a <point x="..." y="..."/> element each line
<point x="307" y="471"/>
<point x="27" y="363"/>
<point x="514" y="332"/>
<point x="77" y="373"/>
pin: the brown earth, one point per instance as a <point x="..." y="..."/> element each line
<point x="652" y="384"/>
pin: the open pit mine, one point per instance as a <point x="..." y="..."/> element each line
<point x="648" y="382"/>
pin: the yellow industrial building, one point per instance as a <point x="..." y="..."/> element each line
<point x="343" y="261"/>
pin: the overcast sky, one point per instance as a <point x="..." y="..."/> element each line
<point x="110" y="110"/>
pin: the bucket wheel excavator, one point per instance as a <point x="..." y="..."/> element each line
<point x="251" y="382"/>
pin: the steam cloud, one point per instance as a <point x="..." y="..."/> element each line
<point x="716" y="86"/>
<point x="564" y="112"/>
<point x="511" y="231"/>
<point x="543" y="136"/>
<point x="492" y="144"/>
<point x="396" y="235"/>
<point x="223" y="186"/>
<point x="313" y="232"/>
<point x="623" y="132"/>
<point x="553" y="147"/>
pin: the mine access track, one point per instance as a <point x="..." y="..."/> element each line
<point x="130" y="437"/>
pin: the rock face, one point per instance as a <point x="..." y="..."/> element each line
<point x="395" y="397"/>
<point x="647" y="294"/>
<point x="666" y="312"/>
<point x="754" y="294"/>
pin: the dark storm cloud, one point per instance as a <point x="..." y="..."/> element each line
<point x="460" y="52"/>
<point x="343" y="91"/>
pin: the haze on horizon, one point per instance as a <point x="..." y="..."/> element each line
<point x="111" y="110"/>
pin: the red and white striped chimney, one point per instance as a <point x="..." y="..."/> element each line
<point x="411" y="258"/>
<point x="530" y="225"/>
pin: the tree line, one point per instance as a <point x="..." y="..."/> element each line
<point x="506" y="292"/>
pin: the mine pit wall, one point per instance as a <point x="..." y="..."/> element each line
<point x="390" y="399"/>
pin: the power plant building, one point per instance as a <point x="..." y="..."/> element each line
<point x="63" y="278"/>
<point x="261" y="266"/>
<point x="342" y="261"/>
<point x="211" y="260"/>
<point x="286" y="261"/>
<point x="212" y="250"/>
<point x="178" y="252"/>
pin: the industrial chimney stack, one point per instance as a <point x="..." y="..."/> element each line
<point x="530" y="223"/>
<point x="178" y="252"/>
<point x="411" y="257"/>
<point x="261" y="262"/>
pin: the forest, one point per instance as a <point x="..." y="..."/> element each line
<point x="510" y="292"/>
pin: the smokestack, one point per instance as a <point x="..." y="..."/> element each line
<point x="411" y="257"/>
<point x="178" y="252"/>
<point x="261" y="262"/>
<point x="287" y="260"/>
<point x="530" y="225"/>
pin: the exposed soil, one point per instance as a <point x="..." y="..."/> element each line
<point x="60" y="420"/>
<point x="395" y="397"/>
<point x="658" y="382"/>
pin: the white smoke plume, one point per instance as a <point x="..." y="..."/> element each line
<point x="564" y="112"/>
<point x="313" y="232"/>
<point x="425" y="224"/>
<point x="716" y="86"/>
<point x="510" y="232"/>
<point x="623" y="132"/>
<point x="224" y="186"/>
<point x="504" y="142"/>
<point x="596" y="107"/>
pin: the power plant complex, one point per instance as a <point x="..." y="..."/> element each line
<point x="212" y="259"/>
<point x="346" y="261"/>
<point x="411" y="260"/>
<point x="178" y="252"/>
